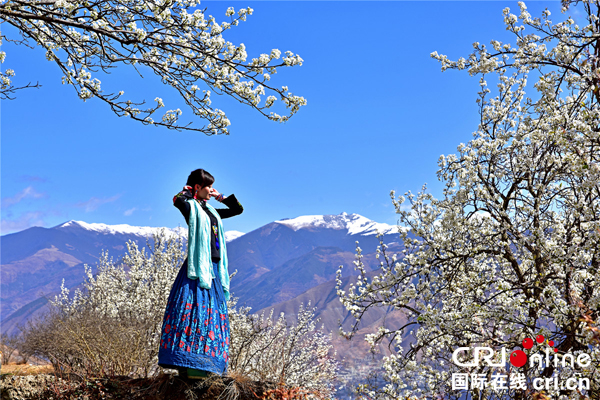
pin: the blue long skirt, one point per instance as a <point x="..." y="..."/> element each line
<point x="195" y="331"/>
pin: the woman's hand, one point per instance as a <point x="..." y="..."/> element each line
<point x="215" y="193"/>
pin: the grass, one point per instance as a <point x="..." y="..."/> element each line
<point x="26" y="369"/>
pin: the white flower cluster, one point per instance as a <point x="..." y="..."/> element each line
<point x="6" y="77"/>
<point x="512" y="250"/>
<point x="269" y="349"/>
<point x="178" y="45"/>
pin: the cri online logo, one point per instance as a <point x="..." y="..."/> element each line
<point x="518" y="358"/>
<point x="540" y="358"/>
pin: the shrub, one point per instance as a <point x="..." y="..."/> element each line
<point x="112" y="326"/>
<point x="296" y="355"/>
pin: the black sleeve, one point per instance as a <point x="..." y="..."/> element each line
<point x="235" y="208"/>
<point x="180" y="201"/>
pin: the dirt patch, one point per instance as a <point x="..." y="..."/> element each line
<point x="164" y="387"/>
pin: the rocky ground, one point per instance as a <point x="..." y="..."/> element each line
<point x="164" y="387"/>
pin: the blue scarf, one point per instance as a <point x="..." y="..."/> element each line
<point x="199" y="254"/>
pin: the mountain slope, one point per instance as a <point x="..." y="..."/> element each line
<point x="293" y="277"/>
<point x="35" y="261"/>
<point x="272" y="246"/>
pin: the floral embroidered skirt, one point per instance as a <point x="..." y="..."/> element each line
<point x="195" y="331"/>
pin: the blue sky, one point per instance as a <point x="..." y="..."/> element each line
<point x="380" y="113"/>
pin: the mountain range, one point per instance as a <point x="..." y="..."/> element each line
<point x="275" y="262"/>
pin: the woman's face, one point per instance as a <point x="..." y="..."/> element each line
<point x="203" y="193"/>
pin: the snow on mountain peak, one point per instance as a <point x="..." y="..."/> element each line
<point x="146" y="231"/>
<point x="232" y="235"/>
<point x="355" y="224"/>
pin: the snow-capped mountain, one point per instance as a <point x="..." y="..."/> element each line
<point x="354" y="224"/>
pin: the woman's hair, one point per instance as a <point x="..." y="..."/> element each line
<point x="200" y="177"/>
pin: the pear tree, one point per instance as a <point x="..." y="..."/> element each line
<point x="511" y="252"/>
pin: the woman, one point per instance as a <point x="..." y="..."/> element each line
<point x="195" y="332"/>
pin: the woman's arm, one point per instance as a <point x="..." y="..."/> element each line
<point x="181" y="198"/>
<point x="234" y="207"/>
<point x="180" y="201"/>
